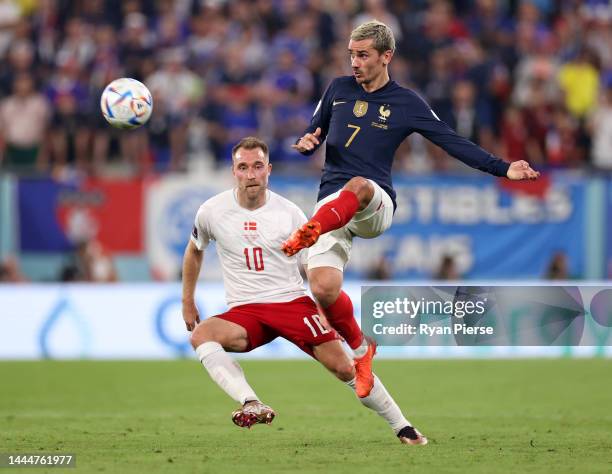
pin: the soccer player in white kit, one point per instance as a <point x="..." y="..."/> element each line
<point x="264" y="292"/>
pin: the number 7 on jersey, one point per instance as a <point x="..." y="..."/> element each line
<point x="353" y="135"/>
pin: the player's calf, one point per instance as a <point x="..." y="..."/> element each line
<point x="332" y="356"/>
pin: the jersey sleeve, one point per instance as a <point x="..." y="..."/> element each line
<point x="201" y="235"/>
<point x="321" y="117"/>
<point x="422" y="119"/>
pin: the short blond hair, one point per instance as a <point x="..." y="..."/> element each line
<point x="250" y="143"/>
<point x="381" y="34"/>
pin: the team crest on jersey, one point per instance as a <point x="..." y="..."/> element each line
<point x="384" y="113"/>
<point x="251" y="233"/>
<point x="360" y="108"/>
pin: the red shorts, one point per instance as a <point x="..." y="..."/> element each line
<point x="297" y="321"/>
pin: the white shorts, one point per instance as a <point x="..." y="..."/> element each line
<point x="333" y="249"/>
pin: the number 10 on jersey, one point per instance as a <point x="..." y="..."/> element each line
<point x="257" y="258"/>
<point x="317" y="328"/>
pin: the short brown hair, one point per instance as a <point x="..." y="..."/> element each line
<point x="381" y="34"/>
<point x="250" y="143"/>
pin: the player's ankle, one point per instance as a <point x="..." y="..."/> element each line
<point x="362" y="349"/>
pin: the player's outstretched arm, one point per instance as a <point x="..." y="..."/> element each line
<point x="520" y="170"/>
<point x="192" y="263"/>
<point x="308" y="142"/>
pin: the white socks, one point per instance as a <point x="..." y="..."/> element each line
<point x="361" y="350"/>
<point x="382" y="403"/>
<point x="225" y="371"/>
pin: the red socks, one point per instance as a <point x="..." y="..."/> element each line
<point x="340" y="316"/>
<point x="337" y="212"/>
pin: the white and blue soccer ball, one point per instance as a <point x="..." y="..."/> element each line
<point x="126" y="103"/>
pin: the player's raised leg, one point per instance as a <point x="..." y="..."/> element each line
<point x="210" y="339"/>
<point x="332" y="356"/>
<point x="354" y="196"/>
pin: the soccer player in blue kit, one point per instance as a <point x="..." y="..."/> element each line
<point x="364" y="118"/>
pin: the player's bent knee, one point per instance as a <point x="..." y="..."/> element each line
<point x="357" y="184"/>
<point x="230" y="336"/>
<point x="363" y="189"/>
<point x="325" y="292"/>
<point x="201" y="334"/>
<point x="207" y="331"/>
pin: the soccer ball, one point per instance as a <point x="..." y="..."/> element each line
<point x="126" y="103"/>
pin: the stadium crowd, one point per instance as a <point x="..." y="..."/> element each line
<point x="528" y="79"/>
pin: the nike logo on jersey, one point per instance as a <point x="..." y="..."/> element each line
<point x="337" y="102"/>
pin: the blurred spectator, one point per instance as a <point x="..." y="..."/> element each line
<point x="376" y="10"/>
<point x="381" y="270"/>
<point x="467" y="118"/>
<point x="562" y="148"/>
<point x="78" y="44"/>
<point x="488" y="22"/>
<point x="535" y="75"/>
<point x="10" y="12"/>
<point x="20" y="61"/>
<point x="10" y="271"/>
<point x="90" y="263"/>
<point x="558" y="267"/>
<point x="24" y="117"/>
<point x="99" y="265"/>
<point x="440" y="84"/>
<point x="600" y="125"/>
<point x="177" y="93"/>
<point x="208" y="31"/>
<point x="136" y="44"/>
<point x="447" y="269"/>
<point x="517" y="142"/>
<point x="68" y="94"/>
<point x="579" y="81"/>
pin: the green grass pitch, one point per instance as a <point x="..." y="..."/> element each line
<point x="167" y="416"/>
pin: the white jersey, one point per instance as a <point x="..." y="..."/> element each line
<point x="255" y="270"/>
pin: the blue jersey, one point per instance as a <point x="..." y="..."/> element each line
<point x="363" y="130"/>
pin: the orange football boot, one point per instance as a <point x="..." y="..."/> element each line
<point x="364" y="379"/>
<point x="304" y="237"/>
